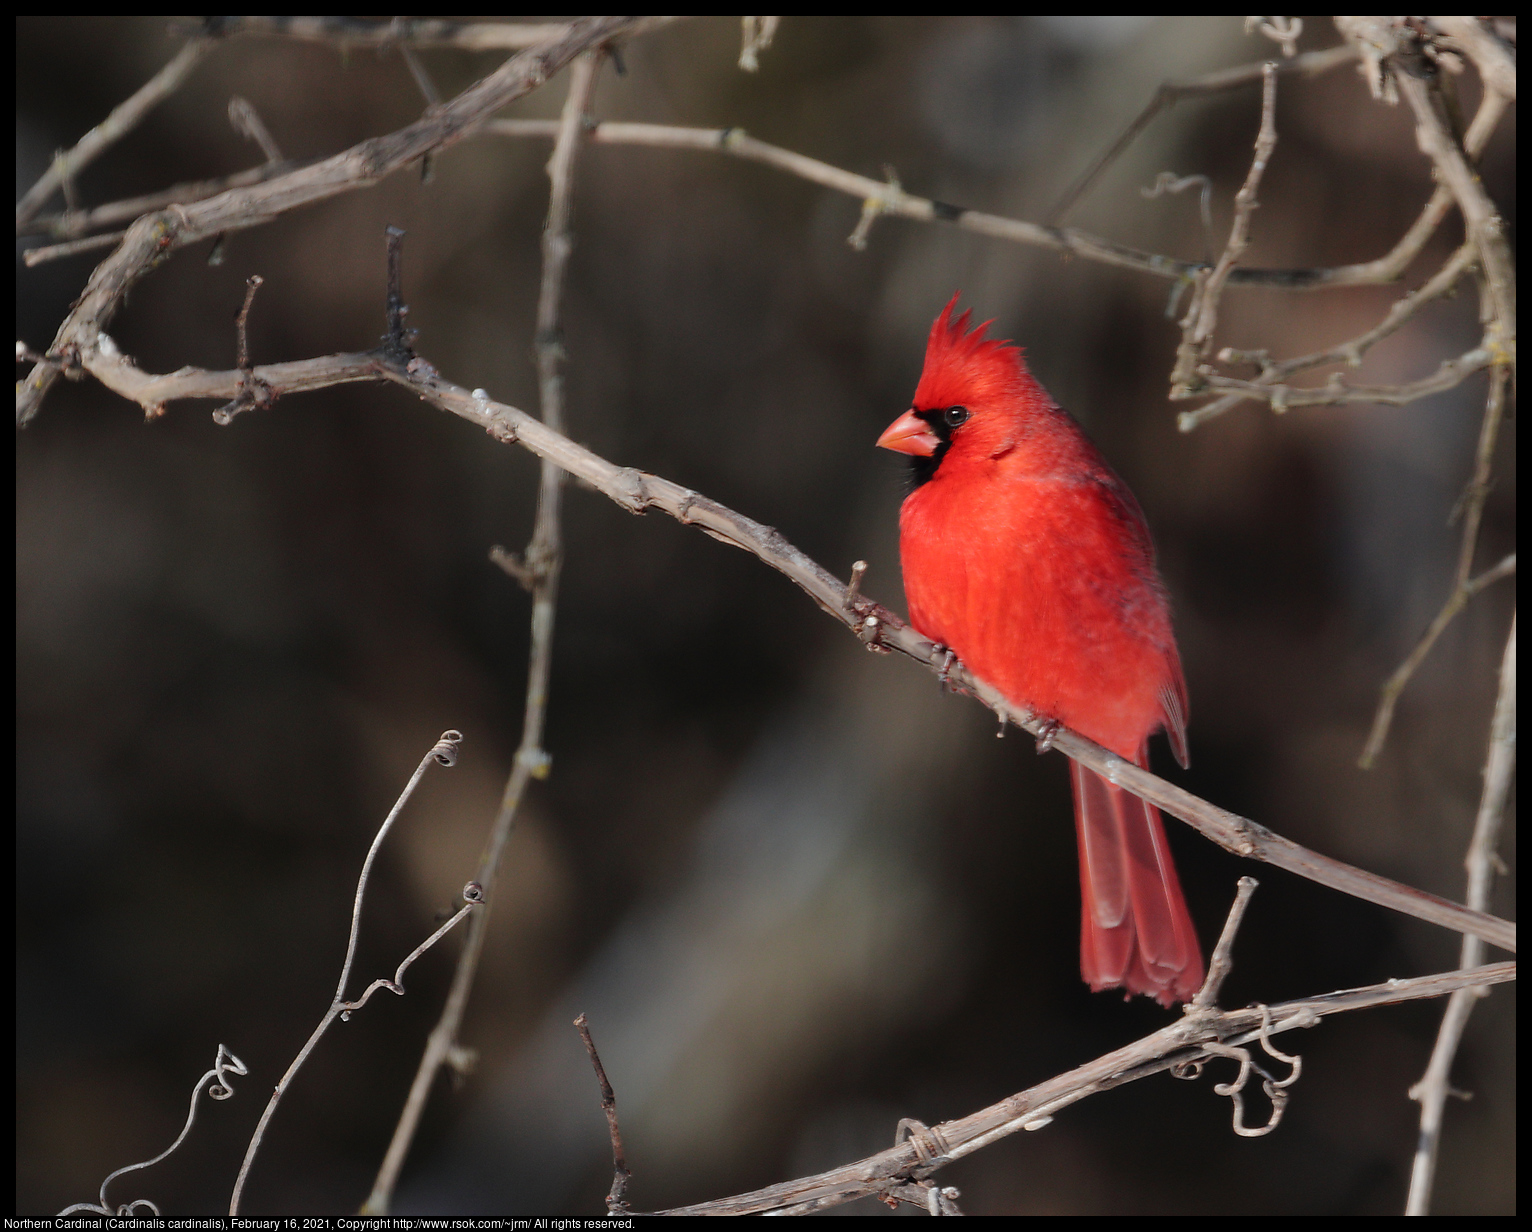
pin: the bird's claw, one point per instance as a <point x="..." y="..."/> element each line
<point x="1045" y="736"/>
<point x="944" y="672"/>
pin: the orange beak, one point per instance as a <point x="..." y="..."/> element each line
<point x="909" y="434"/>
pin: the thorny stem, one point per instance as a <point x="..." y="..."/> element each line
<point x="543" y="559"/>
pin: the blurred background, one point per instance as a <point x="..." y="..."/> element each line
<point x="799" y="892"/>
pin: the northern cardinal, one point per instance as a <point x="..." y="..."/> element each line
<point x="1027" y="557"/>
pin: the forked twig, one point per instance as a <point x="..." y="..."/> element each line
<point x="124" y="118"/>
<point x="1396" y="683"/>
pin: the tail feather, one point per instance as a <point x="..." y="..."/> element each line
<point x="1135" y="930"/>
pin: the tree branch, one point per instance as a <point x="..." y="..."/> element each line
<point x="543" y="559"/>
<point x="124" y="118"/>
<point x="1432" y="1089"/>
<point x="1197" y="1038"/>
<point x="154" y="237"/>
<point x="637" y="492"/>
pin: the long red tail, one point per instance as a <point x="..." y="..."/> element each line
<point x="1135" y="930"/>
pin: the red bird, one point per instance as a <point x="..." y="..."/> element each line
<point x="1028" y="557"/>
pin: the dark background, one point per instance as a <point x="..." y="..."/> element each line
<point x="799" y="893"/>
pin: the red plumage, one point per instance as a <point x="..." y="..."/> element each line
<point x="1026" y="555"/>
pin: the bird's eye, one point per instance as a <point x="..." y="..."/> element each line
<point x="953" y="416"/>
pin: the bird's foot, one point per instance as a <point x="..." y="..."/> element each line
<point x="944" y="673"/>
<point x="1045" y="736"/>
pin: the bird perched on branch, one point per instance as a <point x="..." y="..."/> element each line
<point x="1026" y="556"/>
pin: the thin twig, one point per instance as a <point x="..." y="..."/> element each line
<point x="33" y="257"/>
<point x="124" y="118"/>
<point x="395" y="31"/>
<point x="756" y="36"/>
<point x="1222" y="961"/>
<point x="1310" y="64"/>
<point x="251" y="392"/>
<point x="443" y="752"/>
<point x="1483" y="222"/>
<point x="1201" y="320"/>
<point x="1464" y="587"/>
<point x="248" y="123"/>
<point x="1197" y="1038"/>
<point x="154" y="236"/>
<point x="1449" y="374"/>
<point x="1432" y="1089"/>
<point x="1283" y="397"/>
<point x="1396" y="683"/>
<point x="617" y="1196"/>
<point x="542" y="561"/>
<point x="894" y="200"/>
<point x="1495" y="61"/>
<point x="79" y="222"/>
<point x="638" y="491"/>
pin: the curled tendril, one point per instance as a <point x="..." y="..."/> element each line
<point x="445" y="750"/>
<point x="1275" y="1089"/>
<point x="224" y="1064"/>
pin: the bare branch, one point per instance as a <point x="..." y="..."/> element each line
<point x="892" y="199"/>
<point x="397" y="31"/>
<point x="248" y="124"/>
<point x="1281" y="396"/>
<point x="1201" y="318"/>
<point x="1456" y="601"/>
<point x="756" y="37"/>
<point x="541" y="562"/>
<point x="1464" y="587"/>
<point x="637" y="491"/>
<point x="1432" y="1089"/>
<point x="1222" y="962"/>
<point x="124" y="118"/>
<point x="1495" y="61"/>
<point x="1310" y="64"/>
<point x="1483" y="221"/>
<point x="617" y="1196"/>
<point x="1195" y="1039"/>
<point x="32" y="257"/>
<point x="78" y="222"/>
<point x="154" y="236"/>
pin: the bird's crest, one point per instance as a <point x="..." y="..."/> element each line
<point x="964" y="366"/>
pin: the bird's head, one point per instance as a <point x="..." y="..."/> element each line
<point x="973" y="396"/>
